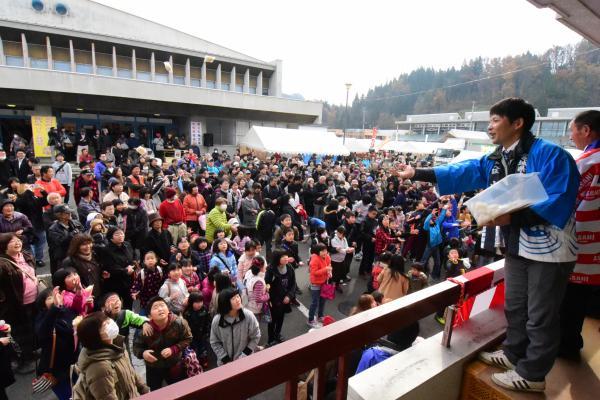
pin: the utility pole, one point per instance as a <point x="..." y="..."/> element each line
<point x="364" y="112"/>
<point x="472" y="116"/>
<point x="348" y="86"/>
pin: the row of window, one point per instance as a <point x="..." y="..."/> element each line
<point x="16" y="61"/>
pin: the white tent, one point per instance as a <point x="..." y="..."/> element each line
<point x="359" y="145"/>
<point x="476" y="136"/>
<point x="293" y="141"/>
<point x="467" y="155"/>
<point x="412" y="147"/>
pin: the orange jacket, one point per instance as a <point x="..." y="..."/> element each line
<point x="191" y="204"/>
<point x="318" y="273"/>
<point x="50" y="187"/>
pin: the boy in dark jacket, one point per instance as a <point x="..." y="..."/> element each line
<point x="367" y="232"/>
<point x="265" y="225"/>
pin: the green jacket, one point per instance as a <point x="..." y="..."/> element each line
<point x="216" y="219"/>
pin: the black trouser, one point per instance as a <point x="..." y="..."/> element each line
<point x="277" y="317"/>
<point x="347" y="263"/>
<point x="23" y="330"/>
<point x="67" y="196"/>
<point x="368" y="256"/>
<point x="573" y="311"/>
<point x="339" y="271"/>
<point x="156" y="376"/>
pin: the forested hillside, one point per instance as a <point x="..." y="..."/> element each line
<point x="561" y="77"/>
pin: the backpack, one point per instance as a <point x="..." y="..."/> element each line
<point x="260" y="214"/>
<point x="143" y="275"/>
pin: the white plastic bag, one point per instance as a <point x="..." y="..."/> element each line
<point x="513" y="193"/>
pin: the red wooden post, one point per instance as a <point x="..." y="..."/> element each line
<point x="291" y="389"/>
<point x="319" y="383"/>
<point x="342" y="378"/>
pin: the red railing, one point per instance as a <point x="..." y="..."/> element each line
<point x="263" y="370"/>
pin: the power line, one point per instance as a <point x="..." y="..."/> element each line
<point x="366" y="99"/>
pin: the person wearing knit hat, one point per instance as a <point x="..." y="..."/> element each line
<point x="173" y="214"/>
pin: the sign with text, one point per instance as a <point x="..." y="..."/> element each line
<point x="196" y="133"/>
<point x="40" y="125"/>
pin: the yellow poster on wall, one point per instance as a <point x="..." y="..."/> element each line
<point x="40" y="125"/>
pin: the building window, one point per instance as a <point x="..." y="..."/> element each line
<point x="104" y="71"/>
<point x="552" y="128"/>
<point x="39" y="63"/>
<point x="211" y="84"/>
<point x="124" y="73"/>
<point x="239" y="88"/>
<point x="143" y="76"/>
<point x="62" y="66"/>
<point x="38" y="5"/>
<point x="252" y="90"/>
<point x="14" y="61"/>
<point x="163" y="78"/>
<point x="61" y="9"/>
<point x="179" y="80"/>
<point x="224" y="86"/>
<point x="195" y="82"/>
<point x="83" y="68"/>
<point x="265" y="91"/>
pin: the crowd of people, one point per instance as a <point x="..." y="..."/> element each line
<point x="198" y="256"/>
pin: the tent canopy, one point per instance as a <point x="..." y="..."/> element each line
<point x="294" y="141"/>
<point x="359" y="145"/>
<point x="470" y="135"/>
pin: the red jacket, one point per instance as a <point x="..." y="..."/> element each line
<point x="52" y="186"/>
<point x="172" y="213"/>
<point x="318" y="273"/>
<point x="191" y="204"/>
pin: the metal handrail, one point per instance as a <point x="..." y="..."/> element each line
<point x="263" y="370"/>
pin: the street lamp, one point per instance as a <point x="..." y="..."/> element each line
<point x="348" y="86"/>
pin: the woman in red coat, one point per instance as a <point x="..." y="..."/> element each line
<point x="320" y="272"/>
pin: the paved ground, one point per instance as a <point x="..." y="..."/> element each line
<point x="295" y="325"/>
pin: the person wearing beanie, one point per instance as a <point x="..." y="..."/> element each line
<point x="173" y="214"/>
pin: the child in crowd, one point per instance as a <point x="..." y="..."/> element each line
<point x="417" y="279"/>
<point x="289" y="244"/>
<point x="75" y="297"/>
<point x="384" y="261"/>
<point x="339" y="250"/>
<point x="240" y="240"/>
<point x="245" y="260"/>
<point x="378" y="296"/>
<point x="208" y="285"/>
<point x="174" y="290"/>
<point x="200" y="245"/>
<point x="454" y="265"/>
<point x="189" y="276"/>
<point x="148" y="282"/>
<point x="197" y="316"/>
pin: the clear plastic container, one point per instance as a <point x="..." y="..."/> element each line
<point x="513" y="193"/>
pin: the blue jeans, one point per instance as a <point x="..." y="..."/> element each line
<point x="435" y="252"/>
<point x="316" y="302"/>
<point x="38" y="246"/>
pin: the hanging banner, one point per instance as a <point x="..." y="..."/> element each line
<point x="373" y="137"/>
<point x="196" y="133"/>
<point x="40" y="125"/>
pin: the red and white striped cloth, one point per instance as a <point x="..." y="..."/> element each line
<point x="482" y="289"/>
<point x="587" y="220"/>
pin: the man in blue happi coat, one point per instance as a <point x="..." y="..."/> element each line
<point x="540" y="240"/>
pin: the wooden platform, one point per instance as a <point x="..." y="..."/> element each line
<point x="567" y="380"/>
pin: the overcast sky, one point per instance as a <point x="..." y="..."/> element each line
<point x="326" y="43"/>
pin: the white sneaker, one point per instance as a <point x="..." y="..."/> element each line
<point x="315" y="324"/>
<point x="513" y="381"/>
<point x="496" y="359"/>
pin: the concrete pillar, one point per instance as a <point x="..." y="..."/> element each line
<point x="203" y="75"/>
<point x="133" y="65"/>
<point x="25" y="48"/>
<point x="172" y="68"/>
<point x="247" y="81"/>
<point x="259" y="80"/>
<point x="152" y="66"/>
<point x="188" y="73"/>
<point x="72" y="56"/>
<point x="114" y="57"/>
<point x="94" y="69"/>
<point x="49" y="52"/>
<point x="2" y="58"/>
<point x="218" y="78"/>
<point x="276" y="79"/>
<point x="232" y="80"/>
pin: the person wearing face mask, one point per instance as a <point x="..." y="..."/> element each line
<point x="105" y="369"/>
<point x="217" y="219"/>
